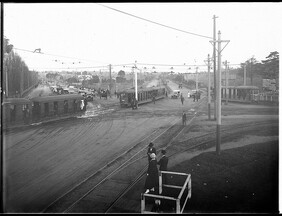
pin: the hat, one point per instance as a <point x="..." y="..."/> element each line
<point x="153" y="155"/>
<point x="163" y="151"/>
<point x="151" y="144"/>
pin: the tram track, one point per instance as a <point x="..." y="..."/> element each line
<point x="202" y="141"/>
<point x="112" y="181"/>
<point x="100" y="175"/>
<point x="66" y="202"/>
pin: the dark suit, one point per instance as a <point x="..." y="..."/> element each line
<point x="163" y="166"/>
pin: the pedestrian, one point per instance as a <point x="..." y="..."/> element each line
<point x="151" y="150"/>
<point x="154" y="99"/>
<point x="182" y="99"/>
<point x="184" y="118"/>
<point x="152" y="179"/>
<point x="163" y="165"/>
<point x="198" y="96"/>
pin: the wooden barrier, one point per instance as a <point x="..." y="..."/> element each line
<point x="186" y="185"/>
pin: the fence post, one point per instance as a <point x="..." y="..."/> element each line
<point x="142" y="203"/>
<point x="190" y="187"/>
<point x="178" y="206"/>
<point x="160" y="182"/>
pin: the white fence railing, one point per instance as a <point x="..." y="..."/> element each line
<point x="178" y="207"/>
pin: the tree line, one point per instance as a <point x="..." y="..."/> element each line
<point x="16" y="75"/>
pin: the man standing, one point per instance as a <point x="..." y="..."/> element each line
<point x="163" y="164"/>
<point x="182" y="99"/>
<point x="184" y="118"/>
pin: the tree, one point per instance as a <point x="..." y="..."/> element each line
<point x="121" y="73"/>
<point x="96" y="79"/>
<point x="271" y="66"/>
<point x="7" y="48"/>
<point x="71" y="80"/>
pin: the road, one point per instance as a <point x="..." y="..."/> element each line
<point x="42" y="162"/>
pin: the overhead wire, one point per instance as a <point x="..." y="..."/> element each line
<point x="154" y="22"/>
<point x="58" y="55"/>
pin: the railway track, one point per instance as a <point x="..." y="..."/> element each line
<point x="203" y="141"/>
<point x="71" y="198"/>
<point x="106" y="189"/>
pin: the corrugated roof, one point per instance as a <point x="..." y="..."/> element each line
<point x="16" y="101"/>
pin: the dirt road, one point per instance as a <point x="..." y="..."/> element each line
<point x="44" y="161"/>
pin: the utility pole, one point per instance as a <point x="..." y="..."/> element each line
<point x="251" y="70"/>
<point x="196" y="79"/>
<point x="136" y="92"/>
<point x="218" y="126"/>
<point x="110" y="69"/>
<point x="209" y="89"/>
<point x="21" y="80"/>
<point x="214" y="64"/>
<point x="133" y="76"/>
<point x="6" y="56"/>
<point x="245" y="78"/>
<point x="226" y="82"/>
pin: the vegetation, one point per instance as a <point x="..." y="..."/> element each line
<point x="267" y="69"/>
<point x="16" y="72"/>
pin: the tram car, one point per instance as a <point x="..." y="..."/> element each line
<point x="145" y="95"/>
<point x="20" y="111"/>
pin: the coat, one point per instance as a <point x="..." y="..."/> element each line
<point x="152" y="180"/>
<point x="163" y="163"/>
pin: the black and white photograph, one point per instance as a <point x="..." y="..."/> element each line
<point x="140" y="107"/>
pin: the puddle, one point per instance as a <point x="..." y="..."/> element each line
<point x="94" y="110"/>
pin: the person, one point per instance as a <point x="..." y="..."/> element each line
<point x="154" y="99"/>
<point x="198" y="96"/>
<point x="151" y="150"/>
<point x="182" y="99"/>
<point x="184" y="118"/>
<point x="152" y="179"/>
<point x="163" y="164"/>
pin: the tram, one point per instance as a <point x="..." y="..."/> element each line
<point x="19" y="111"/>
<point x="145" y="95"/>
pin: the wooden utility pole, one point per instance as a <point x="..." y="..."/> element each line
<point x="209" y="89"/>
<point x="21" y="80"/>
<point x="214" y="64"/>
<point x="245" y="77"/>
<point x="218" y="97"/>
<point x="226" y="82"/>
<point x="197" y="79"/>
<point x="110" y="69"/>
<point x="136" y="85"/>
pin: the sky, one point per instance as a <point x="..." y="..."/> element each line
<point x="90" y="36"/>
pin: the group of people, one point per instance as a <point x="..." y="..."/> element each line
<point x="152" y="179"/>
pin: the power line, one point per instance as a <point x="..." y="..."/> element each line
<point x="154" y="22"/>
<point x="68" y="68"/>
<point x="58" y="55"/>
<point x="171" y="65"/>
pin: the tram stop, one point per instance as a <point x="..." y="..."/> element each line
<point x="174" y="191"/>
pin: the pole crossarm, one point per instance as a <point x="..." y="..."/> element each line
<point x="226" y="41"/>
